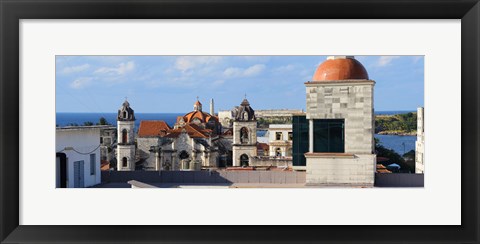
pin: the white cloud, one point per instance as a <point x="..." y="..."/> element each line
<point x="254" y="70"/>
<point x="121" y="69"/>
<point x="74" y="69"/>
<point x="81" y="82"/>
<point x="233" y="72"/>
<point x="185" y="63"/>
<point x="239" y="72"/>
<point x="385" y="60"/>
<point x="285" y="68"/>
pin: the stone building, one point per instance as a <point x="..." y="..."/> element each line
<point x="125" y="138"/>
<point x="340" y="117"/>
<point x="108" y="140"/>
<point x="420" y="143"/>
<point x="244" y="145"/>
<point x="190" y="145"/>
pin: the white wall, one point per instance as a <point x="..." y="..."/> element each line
<point x="83" y="140"/>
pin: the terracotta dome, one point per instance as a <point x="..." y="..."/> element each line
<point x="340" y="69"/>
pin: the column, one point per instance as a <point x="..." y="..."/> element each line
<point x="310" y="135"/>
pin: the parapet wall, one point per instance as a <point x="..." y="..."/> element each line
<point x="354" y="170"/>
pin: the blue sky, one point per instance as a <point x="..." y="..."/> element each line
<point x="170" y="84"/>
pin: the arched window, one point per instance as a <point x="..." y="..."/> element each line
<point x="289" y="152"/>
<point x="124" y="114"/>
<point x="244" y="135"/>
<point x="124" y="136"/>
<point x="183" y="155"/>
<point x="244" y="160"/>
<point x="245" y="115"/>
<point x="124" y="162"/>
<point x="278" y="136"/>
<point x="278" y="152"/>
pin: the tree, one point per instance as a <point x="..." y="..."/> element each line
<point x="88" y="123"/>
<point x="393" y="157"/>
<point x="103" y="121"/>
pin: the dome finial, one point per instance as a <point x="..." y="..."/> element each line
<point x="197" y="106"/>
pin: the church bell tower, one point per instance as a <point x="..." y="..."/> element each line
<point x="244" y="134"/>
<point x="126" y="138"/>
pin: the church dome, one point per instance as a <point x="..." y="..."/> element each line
<point x="340" y="68"/>
<point x="197" y="115"/>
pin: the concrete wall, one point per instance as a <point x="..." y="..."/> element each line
<point x="83" y="140"/>
<point x="350" y="101"/>
<point x="277" y="113"/>
<point x="277" y="177"/>
<point x="399" y="180"/>
<point x="355" y="170"/>
<point x="271" y="161"/>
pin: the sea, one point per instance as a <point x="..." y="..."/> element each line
<point x="400" y="144"/>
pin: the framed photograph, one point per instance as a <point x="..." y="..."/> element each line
<point x="239" y="121"/>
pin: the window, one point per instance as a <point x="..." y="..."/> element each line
<point x="244" y="135"/>
<point x="244" y="160"/>
<point x="183" y="155"/>
<point x="290" y="136"/>
<point x="124" y="136"/>
<point x="300" y="143"/>
<point x="278" y="152"/>
<point x="278" y="136"/>
<point x="92" y="164"/>
<point x="124" y="162"/>
<point x="328" y="135"/>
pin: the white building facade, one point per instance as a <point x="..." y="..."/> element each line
<point x="280" y="140"/>
<point x="77" y="156"/>
<point x="420" y="143"/>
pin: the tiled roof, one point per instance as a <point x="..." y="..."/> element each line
<point x="263" y="146"/>
<point x="105" y="165"/>
<point x="150" y="128"/>
<point x="192" y="130"/>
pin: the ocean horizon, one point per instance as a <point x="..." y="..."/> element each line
<point x="79" y="118"/>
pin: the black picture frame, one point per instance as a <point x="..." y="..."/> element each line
<point x="12" y="11"/>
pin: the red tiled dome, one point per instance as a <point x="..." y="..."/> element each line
<point x="340" y="69"/>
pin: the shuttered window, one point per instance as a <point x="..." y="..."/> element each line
<point x="92" y="164"/>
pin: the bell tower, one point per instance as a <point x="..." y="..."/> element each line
<point x="126" y="138"/>
<point x="244" y="134"/>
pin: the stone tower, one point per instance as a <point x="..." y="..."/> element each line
<point x="244" y="134"/>
<point x="340" y="116"/>
<point x="126" y="138"/>
<point x="212" y="109"/>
